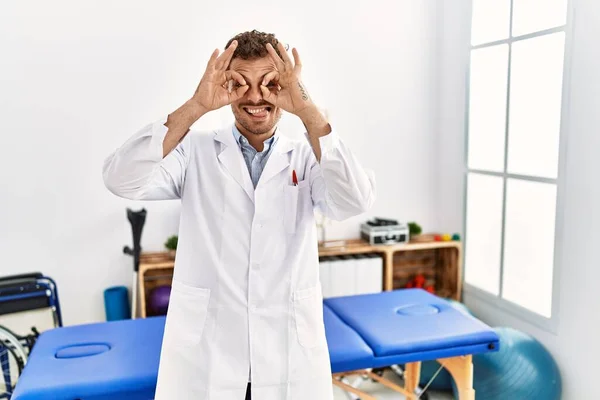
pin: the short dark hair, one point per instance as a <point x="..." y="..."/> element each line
<point x="251" y="44"/>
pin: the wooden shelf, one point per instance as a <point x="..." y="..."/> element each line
<point x="358" y="246"/>
<point x="155" y="269"/>
<point x="439" y="262"/>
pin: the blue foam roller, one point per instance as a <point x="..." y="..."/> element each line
<point x="116" y="303"/>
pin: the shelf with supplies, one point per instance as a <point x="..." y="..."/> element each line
<point x="438" y="262"/>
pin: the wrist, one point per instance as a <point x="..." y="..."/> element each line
<point x="315" y="122"/>
<point x="195" y="109"/>
<point x="310" y="114"/>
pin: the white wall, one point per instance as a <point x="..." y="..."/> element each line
<point x="574" y="345"/>
<point x="77" y="78"/>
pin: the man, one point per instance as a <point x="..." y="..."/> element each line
<point x="246" y="301"/>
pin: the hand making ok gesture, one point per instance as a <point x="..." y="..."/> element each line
<point x="214" y="92"/>
<point x="292" y="95"/>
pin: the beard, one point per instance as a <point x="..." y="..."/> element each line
<point x="257" y="127"/>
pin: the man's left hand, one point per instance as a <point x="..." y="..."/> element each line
<point x="283" y="87"/>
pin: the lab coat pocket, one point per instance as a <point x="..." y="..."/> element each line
<point x="308" y="310"/>
<point x="186" y="315"/>
<point x="290" y="209"/>
<point x="295" y="196"/>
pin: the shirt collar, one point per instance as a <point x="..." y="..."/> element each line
<point x="241" y="139"/>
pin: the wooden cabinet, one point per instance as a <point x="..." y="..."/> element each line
<point x="439" y="262"/>
<point x="156" y="269"/>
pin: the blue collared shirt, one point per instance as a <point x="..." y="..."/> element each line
<point x="255" y="160"/>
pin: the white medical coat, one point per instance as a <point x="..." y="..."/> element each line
<point x="246" y="297"/>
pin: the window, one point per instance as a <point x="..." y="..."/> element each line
<point x="513" y="145"/>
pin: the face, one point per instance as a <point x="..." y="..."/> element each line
<point x="252" y="113"/>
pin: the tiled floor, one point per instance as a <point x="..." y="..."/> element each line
<point x="381" y="392"/>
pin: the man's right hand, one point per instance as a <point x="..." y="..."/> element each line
<point x="214" y="92"/>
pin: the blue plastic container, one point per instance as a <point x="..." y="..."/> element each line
<point x="116" y="303"/>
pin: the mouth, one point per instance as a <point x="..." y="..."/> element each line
<point x="257" y="113"/>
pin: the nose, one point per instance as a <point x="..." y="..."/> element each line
<point x="254" y="94"/>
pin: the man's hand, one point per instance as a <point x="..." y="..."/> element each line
<point x="214" y="90"/>
<point x="292" y="95"/>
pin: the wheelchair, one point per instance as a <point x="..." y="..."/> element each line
<point x="18" y="294"/>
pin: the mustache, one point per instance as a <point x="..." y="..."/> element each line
<point x="262" y="103"/>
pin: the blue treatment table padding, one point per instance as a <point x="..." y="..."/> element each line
<point x="407" y="325"/>
<point x="118" y="360"/>
<point x="347" y="350"/>
<point x="112" y="360"/>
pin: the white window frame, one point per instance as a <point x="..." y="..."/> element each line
<point x="497" y="301"/>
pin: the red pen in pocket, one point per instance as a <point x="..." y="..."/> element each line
<point x="294" y="178"/>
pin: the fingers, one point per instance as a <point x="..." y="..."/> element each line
<point x="231" y="75"/>
<point x="236" y="85"/>
<point x="213" y="58"/>
<point x="238" y="93"/>
<point x="272" y="76"/>
<point x="286" y="58"/>
<point x="269" y="96"/>
<point x="233" y="46"/>
<point x="223" y="61"/>
<point x="276" y="59"/>
<point x="297" y="62"/>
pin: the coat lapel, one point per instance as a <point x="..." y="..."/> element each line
<point x="278" y="160"/>
<point x="233" y="160"/>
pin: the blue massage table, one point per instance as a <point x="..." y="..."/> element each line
<point x="119" y="360"/>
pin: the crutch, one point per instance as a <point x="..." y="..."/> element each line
<point x="137" y="219"/>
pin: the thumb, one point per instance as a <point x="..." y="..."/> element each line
<point x="238" y="93"/>
<point x="268" y="95"/>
